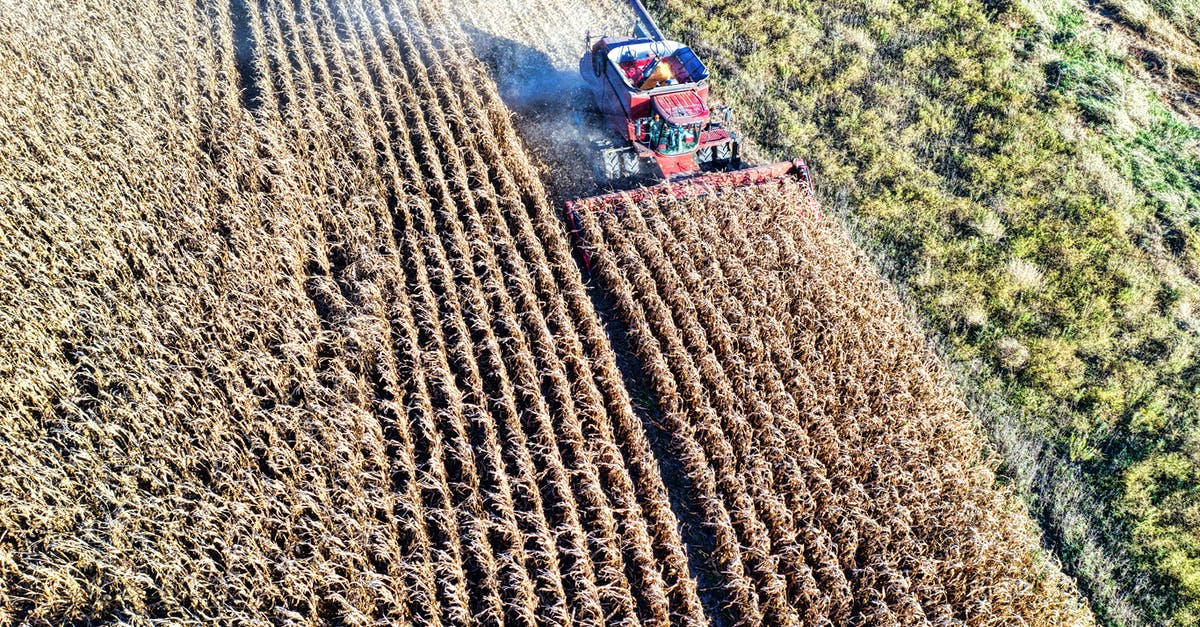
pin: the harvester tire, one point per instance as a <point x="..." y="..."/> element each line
<point x="631" y="164"/>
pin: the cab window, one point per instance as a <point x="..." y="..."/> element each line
<point x="673" y="139"/>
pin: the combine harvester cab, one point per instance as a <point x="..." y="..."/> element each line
<point x="653" y="93"/>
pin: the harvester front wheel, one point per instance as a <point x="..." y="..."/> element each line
<point x="616" y="165"/>
<point x="607" y="168"/>
<point x="723" y="154"/>
<point x="720" y="158"/>
<point x="631" y="163"/>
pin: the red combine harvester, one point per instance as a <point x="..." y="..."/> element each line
<point x="653" y="93"/>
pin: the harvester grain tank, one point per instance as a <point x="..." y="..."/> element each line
<point x="653" y="93"/>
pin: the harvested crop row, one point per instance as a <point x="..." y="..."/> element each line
<point x="344" y="371"/>
<point x="822" y="441"/>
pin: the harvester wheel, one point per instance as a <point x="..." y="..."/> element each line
<point x="719" y="158"/>
<point x="723" y="155"/>
<point x="616" y="165"/>
<point x="631" y="164"/>
<point x="611" y="166"/>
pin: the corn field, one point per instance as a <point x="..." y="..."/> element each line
<point x="819" y="439"/>
<point x="292" y="335"/>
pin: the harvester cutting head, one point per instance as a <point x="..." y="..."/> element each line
<point x="766" y="177"/>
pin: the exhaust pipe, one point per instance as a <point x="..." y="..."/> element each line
<point x="647" y="21"/>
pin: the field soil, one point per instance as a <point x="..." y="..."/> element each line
<point x="532" y="50"/>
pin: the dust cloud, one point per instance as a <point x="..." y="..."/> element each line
<point x="535" y="64"/>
